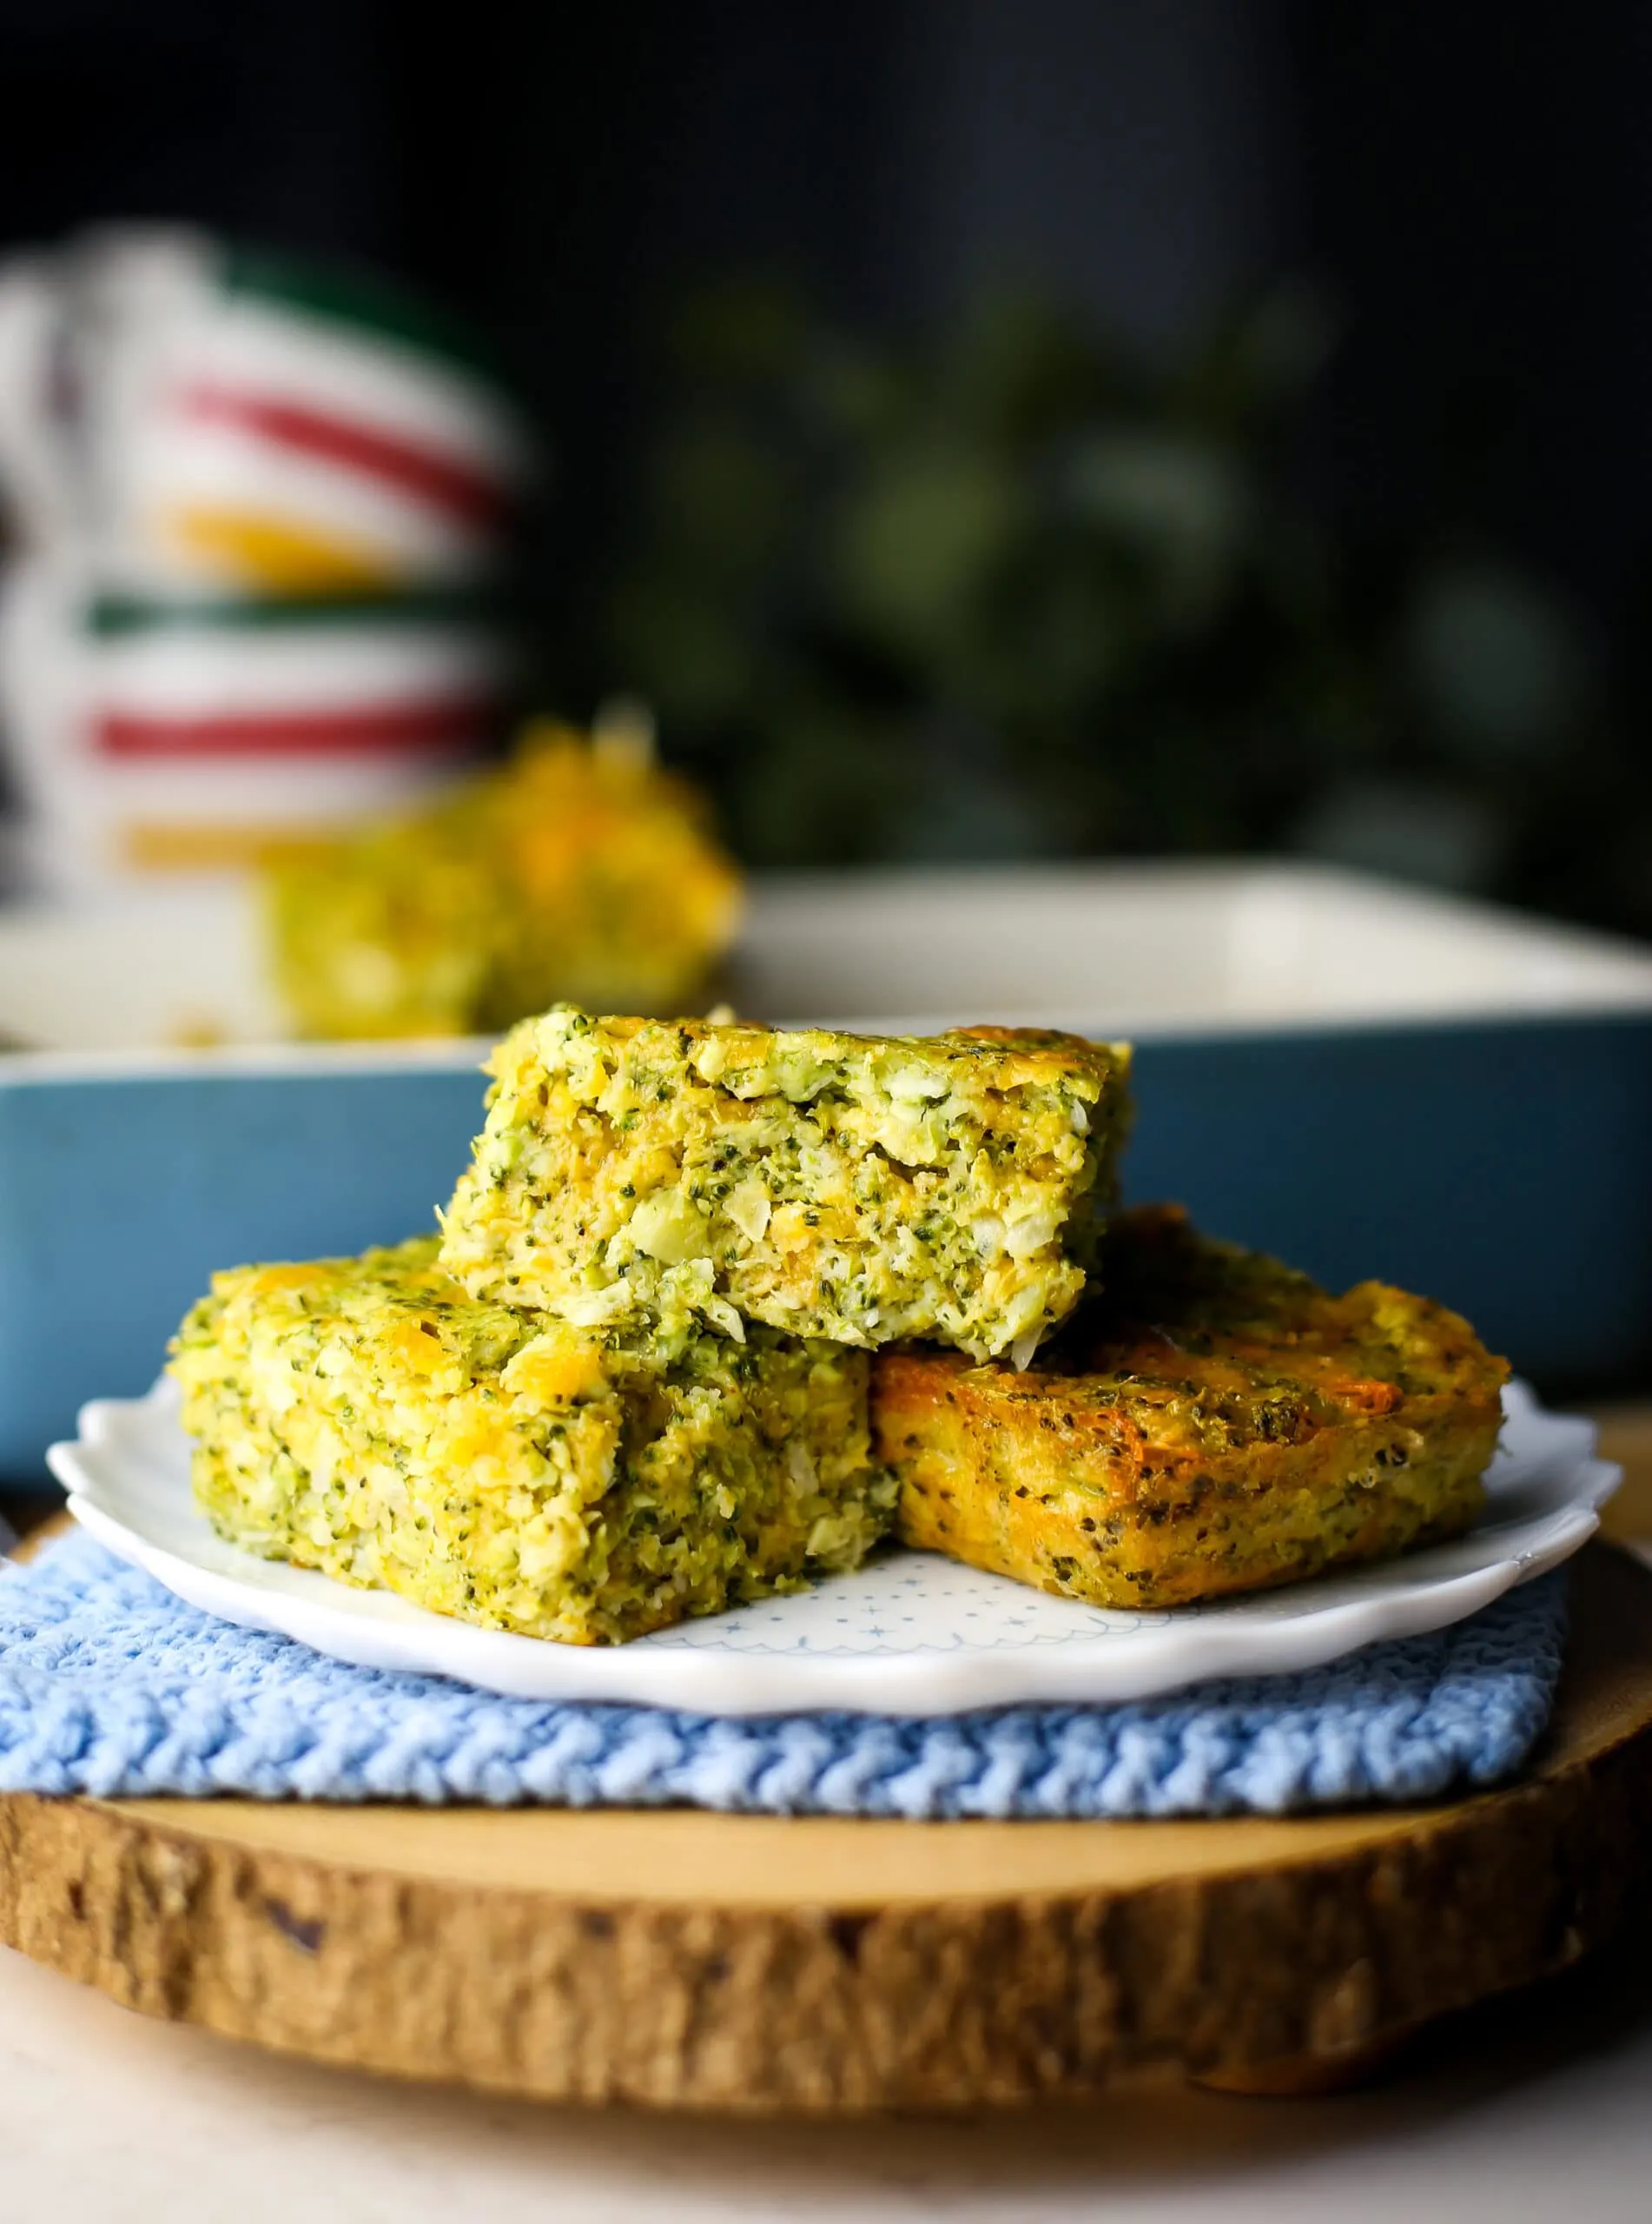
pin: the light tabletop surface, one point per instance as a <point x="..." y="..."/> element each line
<point x="1531" y="2108"/>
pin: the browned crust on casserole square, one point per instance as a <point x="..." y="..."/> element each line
<point x="1214" y="1423"/>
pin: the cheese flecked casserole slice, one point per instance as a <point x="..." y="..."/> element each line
<point x="578" y="869"/>
<point x="857" y="1188"/>
<point x="1214" y="1422"/>
<point x="365" y="1418"/>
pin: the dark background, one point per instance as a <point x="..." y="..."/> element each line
<point x="1468" y="191"/>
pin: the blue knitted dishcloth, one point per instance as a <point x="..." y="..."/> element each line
<point x="109" y="1684"/>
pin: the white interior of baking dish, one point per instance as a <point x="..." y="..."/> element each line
<point x="1130" y="949"/>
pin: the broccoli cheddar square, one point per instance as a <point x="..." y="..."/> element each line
<point x="858" y="1187"/>
<point x="365" y="1417"/>
<point x="1214" y="1423"/>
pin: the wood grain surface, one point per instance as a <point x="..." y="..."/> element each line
<point x="680" y="1959"/>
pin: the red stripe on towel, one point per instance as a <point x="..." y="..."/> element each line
<point x="446" y="481"/>
<point x="367" y="729"/>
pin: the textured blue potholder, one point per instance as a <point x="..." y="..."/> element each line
<point x="110" y="1685"/>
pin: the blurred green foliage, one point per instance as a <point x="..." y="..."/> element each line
<point x="1019" y="594"/>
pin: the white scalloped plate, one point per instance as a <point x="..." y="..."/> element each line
<point x="909" y="1634"/>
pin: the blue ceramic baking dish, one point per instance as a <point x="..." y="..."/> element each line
<point x="1367" y="1081"/>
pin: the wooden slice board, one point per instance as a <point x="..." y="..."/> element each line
<point x="680" y="1959"/>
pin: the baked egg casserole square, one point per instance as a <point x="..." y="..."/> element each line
<point x="366" y="1418"/>
<point x="1214" y="1422"/>
<point x="858" y="1187"/>
<point x="579" y="869"/>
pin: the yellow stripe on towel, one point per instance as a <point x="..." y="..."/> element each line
<point x="282" y="559"/>
<point x="151" y="845"/>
